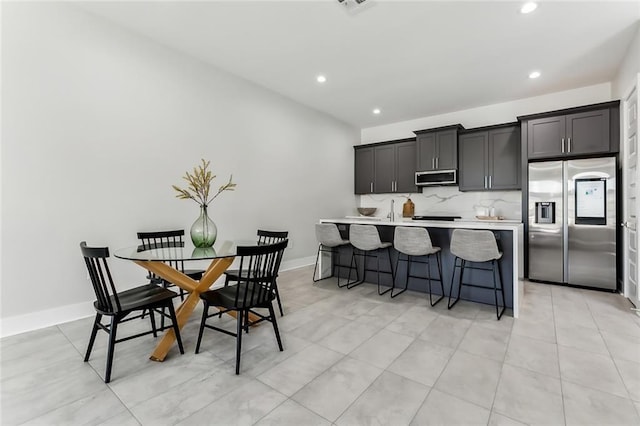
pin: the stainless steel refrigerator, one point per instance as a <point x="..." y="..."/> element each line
<point x="572" y="222"/>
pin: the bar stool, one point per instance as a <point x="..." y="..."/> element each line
<point x="329" y="241"/>
<point x="366" y="239"/>
<point x="413" y="242"/>
<point x="476" y="247"/>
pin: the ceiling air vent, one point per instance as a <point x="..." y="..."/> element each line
<point x="355" y="6"/>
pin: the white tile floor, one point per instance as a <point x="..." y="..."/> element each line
<point x="351" y="357"/>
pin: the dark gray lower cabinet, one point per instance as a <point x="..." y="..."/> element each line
<point x="489" y="159"/>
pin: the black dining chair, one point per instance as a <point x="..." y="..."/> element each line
<point x="118" y="305"/>
<point x="168" y="239"/>
<point x="265" y="237"/>
<point x="174" y="238"/>
<point x="252" y="288"/>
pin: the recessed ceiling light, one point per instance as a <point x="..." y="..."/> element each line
<point x="376" y="111"/>
<point x="528" y="7"/>
<point x="534" y="74"/>
<point x="321" y="79"/>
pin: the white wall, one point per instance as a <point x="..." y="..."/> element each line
<point x="491" y="114"/>
<point x="629" y="68"/>
<point x="98" y="123"/>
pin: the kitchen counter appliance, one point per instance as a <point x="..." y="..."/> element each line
<point x="572" y="222"/>
<point x="447" y="218"/>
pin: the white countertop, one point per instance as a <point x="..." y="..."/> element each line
<point x="498" y="225"/>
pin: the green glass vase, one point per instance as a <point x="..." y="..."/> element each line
<point x="203" y="230"/>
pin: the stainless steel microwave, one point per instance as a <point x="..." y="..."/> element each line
<point x="437" y="177"/>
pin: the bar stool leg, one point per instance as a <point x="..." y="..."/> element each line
<point x="462" y="263"/>
<point x="378" y="274"/>
<point x="393" y="275"/>
<point x="496" y="266"/>
<point x="354" y="262"/>
<point x="439" y="266"/>
<point x="315" y="269"/>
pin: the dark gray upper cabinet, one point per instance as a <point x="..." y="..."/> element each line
<point x="385" y="170"/>
<point x="592" y="129"/>
<point x="405" y="162"/>
<point x="588" y="132"/>
<point x="364" y="170"/>
<point x="385" y="167"/>
<point x="504" y="158"/>
<point x="489" y="158"/>
<point x="472" y="174"/>
<point x="437" y="149"/>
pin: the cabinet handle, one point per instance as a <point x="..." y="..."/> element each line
<point x="371" y="187"/>
<point x="569" y="145"/>
<point x="433" y="163"/>
<point x="489" y="181"/>
<point x="563" y="145"/>
<point x="485" y="182"/>
<point x="437" y="158"/>
<point x="395" y="186"/>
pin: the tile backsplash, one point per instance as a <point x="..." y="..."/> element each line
<point x="447" y="200"/>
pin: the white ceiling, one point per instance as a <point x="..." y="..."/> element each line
<point x="409" y="58"/>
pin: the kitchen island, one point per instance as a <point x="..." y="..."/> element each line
<point x="509" y="235"/>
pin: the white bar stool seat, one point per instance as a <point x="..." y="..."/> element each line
<point x="366" y="239"/>
<point x="330" y="241"/>
<point x="476" y="247"/>
<point x="416" y="242"/>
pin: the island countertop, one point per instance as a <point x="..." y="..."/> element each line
<point x="497" y="225"/>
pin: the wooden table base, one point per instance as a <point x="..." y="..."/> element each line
<point x="186" y="308"/>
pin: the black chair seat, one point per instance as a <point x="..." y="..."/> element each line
<point x="141" y="297"/>
<point x="231" y="297"/>
<point x="264" y="237"/>
<point x="118" y="305"/>
<point x="254" y="289"/>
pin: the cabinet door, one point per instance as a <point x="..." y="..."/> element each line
<point x="406" y="167"/>
<point x="588" y="132"/>
<point x="504" y="158"/>
<point x="384" y="169"/>
<point x="473" y="152"/>
<point x="447" y="150"/>
<point x="544" y="137"/>
<point x="426" y="152"/>
<point x="363" y="170"/>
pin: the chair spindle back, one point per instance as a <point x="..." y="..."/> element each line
<point x="259" y="266"/>
<point x="96" y="260"/>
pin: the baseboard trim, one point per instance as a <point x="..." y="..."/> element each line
<point x="49" y="317"/>
<point x="41" y="319"/>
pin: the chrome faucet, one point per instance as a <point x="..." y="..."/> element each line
<point x="391" y="215"/>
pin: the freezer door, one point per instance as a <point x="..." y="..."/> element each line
<point x="545" y="239"/>
<point x="591" y="218"/>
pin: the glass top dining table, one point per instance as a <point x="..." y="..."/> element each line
<point x="165" y="261"/>
<point x="176" y="251"/>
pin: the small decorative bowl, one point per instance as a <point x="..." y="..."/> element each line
<point x="367" y="211"/>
